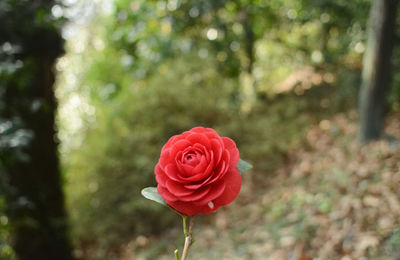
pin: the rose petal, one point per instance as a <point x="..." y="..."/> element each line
<point x="181" y="172"/>
<point x="164" y="158"/>
<point x="223" y="165"/>
<point x="165" y="194"/>
<point x="195" y="185"/>
<point x="198" y="129"/>
<point x="216" y="191"/>
<point x="173" y="172"/>
<point x="160" y="175"/>
<point x="170" y="142"/>
<point x="211" y="133"/>
<point x="199" y="194"/>
<point x="196" y="177"/>
<point x="201" y="175"/>
<point x="199" y="147"/>
<point x="228" y="143"/>
<point x="185" y="134"/>
<point x="188" y="209"/>
<point x="207" y="154"/>
<point x="177" y="189"/>
<point x="216" y="147"/>
<point x="179" y="146"/>
<point x="233" y="151"/>
<point x="198" y="139"/>
<point x="201" y="167"/>
<point x="194" y="148"/>
<point x="233" y="182"/>
<point x="226" y="157"/>
<point x="210" y="165"/>
<point x="207" y="176"/>
<point x="188" y="170"/>
<point x="219" y="173"/>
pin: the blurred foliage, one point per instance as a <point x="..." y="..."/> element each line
<point x="108" y="175"/>
<point x="6" y="252"/>
<point x="392" y="244"/>
<point x="394" y="98"/>
<point x="142" y="71"/>
<point x="29" y="34"/>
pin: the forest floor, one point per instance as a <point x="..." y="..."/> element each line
<point x="330" y="199"/>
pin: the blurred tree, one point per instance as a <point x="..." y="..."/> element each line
<point x="376" y="76"/>
<point x="228" y="30"/>
<point x="30" y="42"/>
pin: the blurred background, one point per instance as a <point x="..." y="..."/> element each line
<point x="91" y="90"/>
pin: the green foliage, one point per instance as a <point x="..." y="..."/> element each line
<point x="151" y="193"/>
<point x="6" y="252"/>
<point x="243" y="166"/>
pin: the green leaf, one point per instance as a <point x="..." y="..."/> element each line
<point x="243" y="166"/>
<point x="152" y="194"/>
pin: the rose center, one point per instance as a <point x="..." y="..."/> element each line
<point x="191" y="158"/>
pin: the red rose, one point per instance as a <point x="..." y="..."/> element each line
<point x="197" y="171"/>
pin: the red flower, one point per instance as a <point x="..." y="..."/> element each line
<point x="197" y="171"/>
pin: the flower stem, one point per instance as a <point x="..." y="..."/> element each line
<point x="188" y="238"/>
<point x="184" y="220"/>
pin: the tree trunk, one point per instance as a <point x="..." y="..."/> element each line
<point x="30" y="175"/>
<point x="248" y="91"/>
<point x="35" y="202"/>
<point x="376" y="75"/>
